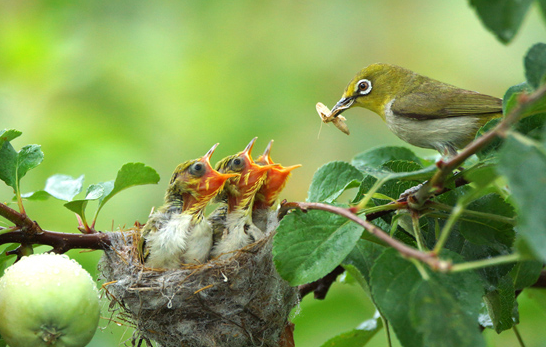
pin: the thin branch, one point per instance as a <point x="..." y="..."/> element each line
<point x="405" y="250"/>
<point x="61" y="242"/>
<point x="28" y="232"/>
<point x="19" y="219"/>
<point x="320" y="287"/>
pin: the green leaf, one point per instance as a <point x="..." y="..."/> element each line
<point x="436" y="313"/>
<point x="77" y="206"/>
<point x="401" y="170"/>
<point x="360" y="261"/>
<point x="482" y="231"/>
<point x="64" y="187"/>
<point x="94" y="192"/>
<point x="535" y="65"/>
<point x="309" y="245"/>
<point x="14" y="165"/>
<point x="392" y="279"/>
<point x="482" y="173"/>
<point x="510" y="98"/>
<point x="357" y="337"/>
<point x="392" y="187"/>
<point x="523" y="162"/>
<point x="363" y="257"/>
<point x="421" y="311"/>
<point x="39" y="195"/>
<point x="502" y="17"/>
<point x="526" y="273"/>
<point x="542" y="6"/>
<point x="501" y="305"/>
<point x="8" y="135"/>
<point x="378" y="156"/>
<point x="331" y="180"/>
<point x="130" y="174"/>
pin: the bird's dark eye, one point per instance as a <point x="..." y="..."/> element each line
<point x="237" y="164"/>
<point x="364" y="87"/>
<point x="197" y="169"/>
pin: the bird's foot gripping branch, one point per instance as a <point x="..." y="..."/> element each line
<point x="448" y="257"/>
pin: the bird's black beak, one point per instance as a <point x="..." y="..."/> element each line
<point x="341" y="106"/>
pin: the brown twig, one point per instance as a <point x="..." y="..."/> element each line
<point x="405" y="250"/>
<point x="61" y="242"/>
<point x="28" y="232"/>
<point x="321" y="286"/>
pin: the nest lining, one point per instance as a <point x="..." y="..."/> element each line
<point x="239" y="301"/>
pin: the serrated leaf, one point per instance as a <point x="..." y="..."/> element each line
<point x="526" y="273"/>
<point x="535" y="65"/>
<point x="64" y="187"/>
<point x="29" y="157"/>
<point x="392" y="188"/>
<point x="436" y="313"/>
<point x="39" y="195"/>
<point x="14" y="165"/>
<point x="510" y="98"/>
<point x="77" y="206"/>
<point x="523" y="162"/>
<point x="130" y="174"/>
<point x="470" y="251"/>
<point x="358" y="337"/>
<point x="331" y="180"/>
<point x="420" y="310"/>
<point x="363" y="257"/>
<point x="500" y="305"/>
<point x="542" y="6"/>
<point x="502" y="17"/>
<point x="482" y="173"/>
<point x="482" y="231"/>
<point x="411" y="172"/>
<point x="309" y="245"/>
<point x="96" y="191"/>
<point x="8" y="135"/>
<point x="378" y="156"/>
<point x="392" y="279"/>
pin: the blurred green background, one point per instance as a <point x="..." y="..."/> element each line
<point x="102" y="83"/>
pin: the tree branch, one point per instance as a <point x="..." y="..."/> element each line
<point x="28" y="232"/>
<point x="405" y="250"/>
<point x="321" y="286"/>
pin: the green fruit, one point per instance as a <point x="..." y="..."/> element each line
<point x="48" y="300"/>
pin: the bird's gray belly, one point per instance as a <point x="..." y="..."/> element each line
<point x="436" y="134"/>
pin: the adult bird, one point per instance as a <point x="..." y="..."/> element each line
<point x="232" y="223"/>
<point x="264" y="210"/>
<point x="178" y="233"/>
<point x="419" y="110"/>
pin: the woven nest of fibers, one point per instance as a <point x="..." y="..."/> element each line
<point x="240" y="301"/>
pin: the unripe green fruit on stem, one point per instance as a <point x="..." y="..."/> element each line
<point x="48" y="300"/>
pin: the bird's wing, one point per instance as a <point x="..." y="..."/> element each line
<point x="449" y="101"/>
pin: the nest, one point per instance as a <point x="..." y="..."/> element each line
<point x="240" y="301"/>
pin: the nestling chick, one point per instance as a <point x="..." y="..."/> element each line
<point x="178" y="233"/>
<point x="264" y="210"/>
<point x="233" y="227"/>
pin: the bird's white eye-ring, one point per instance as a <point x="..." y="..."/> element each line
<point x="364" y="87"/>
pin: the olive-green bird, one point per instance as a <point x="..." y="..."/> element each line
<point x="421" y="111"/>
<point x="232" y="223"/>
<point x="178" y="233"/>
